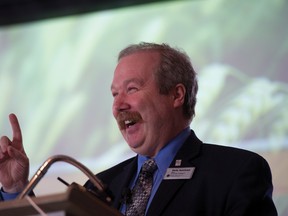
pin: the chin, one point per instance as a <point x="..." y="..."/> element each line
<point x="133" y="147"/>
<point x="137" y="149"/>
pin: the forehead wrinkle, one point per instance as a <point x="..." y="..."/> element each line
<point x="134" y="80"/>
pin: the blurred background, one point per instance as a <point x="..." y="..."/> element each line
<point x="57" y="61"/>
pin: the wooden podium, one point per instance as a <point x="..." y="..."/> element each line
<point x="74" y="202"/>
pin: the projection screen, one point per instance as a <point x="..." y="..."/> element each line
<point x="55" y="75"/>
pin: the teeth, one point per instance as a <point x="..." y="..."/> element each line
<point x="128" y="122"/>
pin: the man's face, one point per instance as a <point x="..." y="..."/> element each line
<point x="142" y="113"/>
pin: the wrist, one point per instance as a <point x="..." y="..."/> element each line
<point x="15" y="188"/>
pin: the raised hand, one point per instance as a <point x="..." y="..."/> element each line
<point x="14" y="163"/>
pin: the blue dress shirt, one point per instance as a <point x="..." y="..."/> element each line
<point x="163" y="160"/>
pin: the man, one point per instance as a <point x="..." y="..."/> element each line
<point x="154" y="89"/>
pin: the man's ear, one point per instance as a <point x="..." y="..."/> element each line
<point x="178" y="95"/>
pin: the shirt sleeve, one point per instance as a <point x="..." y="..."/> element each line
<point x="7" y="196"/>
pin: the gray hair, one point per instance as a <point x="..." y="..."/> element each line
<point x="175" y="67"/>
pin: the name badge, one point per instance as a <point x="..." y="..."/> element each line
<point x="179" y="173"/>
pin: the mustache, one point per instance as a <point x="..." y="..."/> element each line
<point x="127" y="116"/>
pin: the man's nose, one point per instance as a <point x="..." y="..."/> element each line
<point x="120" y="103"/>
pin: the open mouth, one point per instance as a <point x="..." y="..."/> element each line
<point x="129" y="123"/>
<point x="128" y="119"/>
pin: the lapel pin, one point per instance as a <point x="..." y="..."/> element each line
<point x="178" y="162"/>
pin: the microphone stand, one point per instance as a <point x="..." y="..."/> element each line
<point x="46" y="165"/>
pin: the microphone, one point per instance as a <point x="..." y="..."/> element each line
<point x="47" y="164"/>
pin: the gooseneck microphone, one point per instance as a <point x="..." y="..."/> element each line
<point x="47" y="164"/>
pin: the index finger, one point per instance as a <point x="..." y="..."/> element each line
<point x="17" y="135"/>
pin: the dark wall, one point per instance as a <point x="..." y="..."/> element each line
<point x="18" y="11"/>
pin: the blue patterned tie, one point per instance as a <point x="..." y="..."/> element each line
<point x="142" y="189"/>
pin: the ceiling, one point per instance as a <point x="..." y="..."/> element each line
<point x="19" y="11"/>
